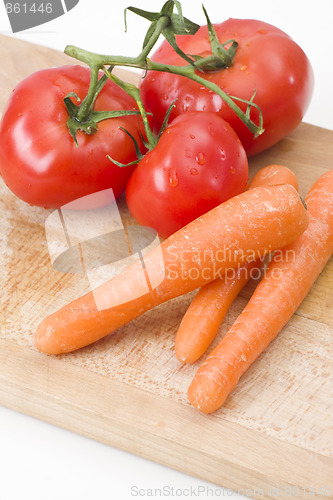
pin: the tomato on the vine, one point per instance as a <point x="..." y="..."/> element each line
<point x="198" y="163"/>
<point x="267" y="62"/>
<point x="39" y="160"/>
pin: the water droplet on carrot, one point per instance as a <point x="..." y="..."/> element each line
<point x="201" y="158"/>
<point x="173" y="178"/>
<point x="194" y="171"/>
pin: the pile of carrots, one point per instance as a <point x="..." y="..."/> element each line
<point x="268" y="219"/>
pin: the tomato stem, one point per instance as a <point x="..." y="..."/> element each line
<point x="134" y="92"/>
<point x="169" y="24"/>
<point x="154" y="36"/>
<point x="221" y="56"/>
<point x="187" y="71"/>
<point x="85" y="107"/>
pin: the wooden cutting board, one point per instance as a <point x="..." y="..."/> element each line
<point x="128" y="390"/>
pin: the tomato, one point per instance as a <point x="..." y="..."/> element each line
<point x="198" y="163"/>
<point x="267" y="61"/>
<point x="39" y="160"/>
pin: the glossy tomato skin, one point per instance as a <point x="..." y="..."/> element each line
<point x="267" y="60"/>
<point x="39" y="160"/>
<point x="198" y="163"/>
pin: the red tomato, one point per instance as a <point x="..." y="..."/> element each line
<point x="39" y="160"/>
<point x="267" y="60"/>
<point x="198" y="163"/>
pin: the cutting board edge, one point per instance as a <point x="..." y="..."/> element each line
<point x="124" y="429"/>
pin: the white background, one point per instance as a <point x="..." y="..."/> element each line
<point x="42" y="462"/>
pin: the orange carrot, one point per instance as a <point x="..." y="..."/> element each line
<point x="206" y="312"/>
<point x="250" y="224"/>
<point x="273" y="175"/>
<point x="288" y="279"/>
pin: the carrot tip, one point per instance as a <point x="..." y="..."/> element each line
<point x="185" y="358"/>
<point x="206" y="394"/>
<point x="182" y="359"/>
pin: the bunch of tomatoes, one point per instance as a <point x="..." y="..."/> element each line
<point x="201" y="158"/>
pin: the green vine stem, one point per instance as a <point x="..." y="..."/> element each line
<point x="166" y="22"/>
<point x="189" y="71"/>
<point x="87" y="103"/>
<point x="154" y="36"/>
<point x="134" y="92"/>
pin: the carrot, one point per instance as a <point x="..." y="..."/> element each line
<point x="250" y="224"/>
<point x="288" y="279"/>
<point x="206" y="312"/>
<point x="273" y="175"/>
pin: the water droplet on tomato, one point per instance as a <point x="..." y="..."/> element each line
<point x="232" y="170"/>
<point x="187" y="153"/>
<point x="262" y="31"/>
<point x="194" y="171"/>
<point x="201" y="158"/>
<point x="222" y="154"/>
<point x="192" y="136"/>
<point x="164" y="97"/>
<point x="243" y="68"/>
<point x="173" y="178"/>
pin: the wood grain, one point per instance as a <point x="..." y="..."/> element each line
<point x="128" y="390"/>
